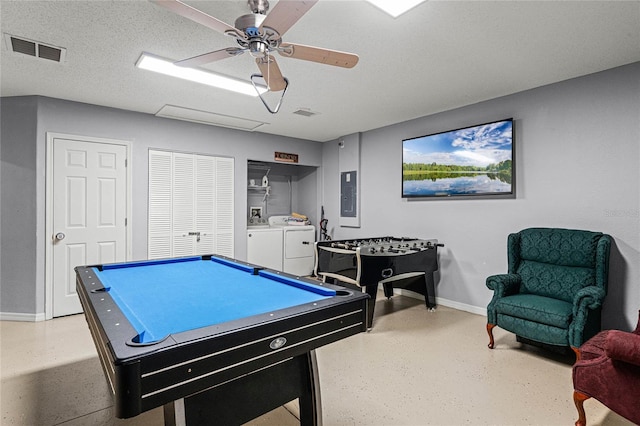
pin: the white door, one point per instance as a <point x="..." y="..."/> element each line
<point x="89" y="213"/>
<point x="190" y="204"/>
<point x="204" y="203"/>
<point x="224" y="207"/>
<point x="183" y="221"/>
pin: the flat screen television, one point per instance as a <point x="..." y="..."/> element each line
<point x="476" y="161"/>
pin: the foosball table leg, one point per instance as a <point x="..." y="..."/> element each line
<point x="388" y="290"/>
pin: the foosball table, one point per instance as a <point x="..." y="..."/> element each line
<point x="407" y="263"/>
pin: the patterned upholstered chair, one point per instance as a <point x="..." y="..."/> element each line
<point x="609" y="371"/>
<point x="554" y="288"/>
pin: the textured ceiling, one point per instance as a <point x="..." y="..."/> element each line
<point x="438" y="56"/>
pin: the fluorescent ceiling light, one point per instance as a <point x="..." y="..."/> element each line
<point x="165" y="66"/>
<point x="396" y="8"/>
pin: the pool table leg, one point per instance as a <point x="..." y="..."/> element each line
<point x="372" y="291"/>
<point x="174" y="413"/>
<point x="247" y="397"/>
<point x="310" y="403"/>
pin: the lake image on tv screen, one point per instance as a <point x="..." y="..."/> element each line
<point x="471" y="161"/>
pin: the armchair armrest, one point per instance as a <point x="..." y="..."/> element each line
<point x="623" y="346"/>
<point x="589" y="297"/>
<point x="585" y="301"/>
<point x="504" y="284"/>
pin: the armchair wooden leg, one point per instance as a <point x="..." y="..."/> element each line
<point x="490" y="332"/>
<point x="577" y="352"/>
<point x="579" y="398"/>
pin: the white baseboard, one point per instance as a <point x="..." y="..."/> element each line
<point x="18" y="316"/>
<point x="445" y="302"/>
<point x="462" y="306"/>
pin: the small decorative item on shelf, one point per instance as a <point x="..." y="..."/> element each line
<point x="255" y="213"/>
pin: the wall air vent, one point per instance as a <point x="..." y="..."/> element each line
<point x="305" y="112"/>
<point x="34" y="48"/>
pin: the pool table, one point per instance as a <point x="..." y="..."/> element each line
<point x="210" y="338"/>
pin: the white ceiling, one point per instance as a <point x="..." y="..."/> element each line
<point x="438" y="56"/>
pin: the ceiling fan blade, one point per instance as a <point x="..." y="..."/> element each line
<point x="186" y="11"/>
<point x="286" y="13"/>
<point x="206" y="58"/>
<point x="316" y="54"/>
<point x="271" y="73"/>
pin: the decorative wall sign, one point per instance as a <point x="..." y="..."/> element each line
<point x="285" y="157"/>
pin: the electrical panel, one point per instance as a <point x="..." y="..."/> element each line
<point x="349" y="194"/>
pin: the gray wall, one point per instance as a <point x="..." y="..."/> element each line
<point x="577" y="159"/>
<point x="23" y="177"/>
<point x="18" y="206"/>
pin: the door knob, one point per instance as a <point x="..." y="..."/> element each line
<point x="60" y="236"/>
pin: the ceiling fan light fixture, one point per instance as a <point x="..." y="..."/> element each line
<point x="395" y="8"/>
<point x="258" y="49"/>
<point x="165" y="66"/>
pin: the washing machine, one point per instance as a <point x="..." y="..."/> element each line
<point x="282" y="246"/>
<point x="264" y="246"/>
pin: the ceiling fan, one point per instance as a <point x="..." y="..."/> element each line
<point x="260" y="34"/>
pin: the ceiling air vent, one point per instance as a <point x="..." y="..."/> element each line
<point x="34" y="48"/>
<point x="23" y="46"/>
<point x="305" y="112"/>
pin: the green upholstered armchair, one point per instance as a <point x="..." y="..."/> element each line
<point x="554" y="288"/>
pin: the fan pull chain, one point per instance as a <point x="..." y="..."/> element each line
<point x="268" y="71"/>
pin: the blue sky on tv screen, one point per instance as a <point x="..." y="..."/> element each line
<point x="473" y="146"/>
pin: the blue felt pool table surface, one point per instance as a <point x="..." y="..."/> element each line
<point x="160" y="298"/>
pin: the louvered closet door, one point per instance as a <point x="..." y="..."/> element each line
<point x="190" y="205"/>
<point x="205" y="195"/>
<point x="224" y="206"/>
<point x="160" y="195"/>
<point x="183" y="206"/>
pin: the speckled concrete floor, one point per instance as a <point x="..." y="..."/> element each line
<point x="414" y="368"/>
